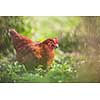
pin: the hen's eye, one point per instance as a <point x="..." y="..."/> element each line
<point x="51" y="43"/>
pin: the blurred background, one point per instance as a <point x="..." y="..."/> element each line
<point x="77" y="58"/>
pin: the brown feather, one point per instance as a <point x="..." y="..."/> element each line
<point x="32" y="53"/>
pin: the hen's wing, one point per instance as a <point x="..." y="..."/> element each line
<point x="29" y="54"/>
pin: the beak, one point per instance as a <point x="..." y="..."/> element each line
<point x="56" y="46"/>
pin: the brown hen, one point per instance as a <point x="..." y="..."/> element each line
<point x="32" y="54"/>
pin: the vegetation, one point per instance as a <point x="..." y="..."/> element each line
<point x="76" y="60"/>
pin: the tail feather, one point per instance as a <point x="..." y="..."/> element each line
<point x="14" y="35"/>
<point x="18" y="40"/>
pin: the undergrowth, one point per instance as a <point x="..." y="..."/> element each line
<point x="62" y="70"/>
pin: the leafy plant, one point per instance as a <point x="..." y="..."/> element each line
<point x="60" y="72"/>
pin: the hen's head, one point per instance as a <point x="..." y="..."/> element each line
<point x="51" y="43"/>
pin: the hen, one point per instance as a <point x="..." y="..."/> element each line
<point x="31" y="53"/>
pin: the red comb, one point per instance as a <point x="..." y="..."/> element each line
<point x="55" y="40"/>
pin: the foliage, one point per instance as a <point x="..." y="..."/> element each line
<point x="37" y="28"/>
<point x="61" y="71"/>
<point x="78" y="48"/>
<point x="70" y="42"/>
<point x="21" y="24"/>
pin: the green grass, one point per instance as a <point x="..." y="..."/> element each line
<point x="62" y="70"/>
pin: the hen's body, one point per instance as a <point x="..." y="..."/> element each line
<point x="32" y="53"/>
